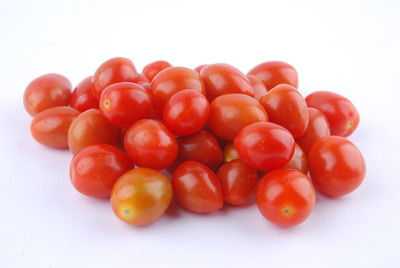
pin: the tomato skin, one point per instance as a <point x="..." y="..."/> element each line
<point x="299" y="160"/>
<point x="47" y="91"/>
<point x="264" y="146"/>
<point x="238" y="181"/>
<point x="285" y="197"/>
<point x="199" y="68"/>
<point x="342" y="115"/>
<point x="150" y="144"/>
<point x="197" y="188"/>
<point x="50" y="127"/>
<point x="286" y="107"/>
<point x="336" y="165"/>
<point x="141" y="196"/>
<point x="258" y="86"/>
<point x="82" y="98"/>
<point x="96" y="168"/>
<point x="273" y="73"/>
<point x="153" y="68"/>
<point x="186" y="112"/>
<point x="125" y="103"/>
<point x="231" y="112"/>
<point x="230" y="152"/>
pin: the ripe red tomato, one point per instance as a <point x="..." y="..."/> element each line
<point x="91" y="128"/>
<point x="197" y="188"/>
<point x="198" y="68"/>
<point x="95" y="169"/>
<point x="231" y="112"/>
<point x="258" y="86"/>
<point x="82" y="98"/>
<point x="141" y="196"/>
<point x="46" y="91"/>
<point x="286" y="197"/>
<point x="150" y="144"/>
<point x="264" y="146"/>
<point x="50" y="127"/>
<point x="342" y="115"/>
<point x="186" y="112"/>
<point x="336" y="166"/>
<point x="230" y="152"/>
<point x="238" y="181"/>
<point x="273" y="73"/>
<point x="125" y="103"/>
<point x="299" y="160"/>
<point x="152" y="69"/>
<point x="286" y="107"/>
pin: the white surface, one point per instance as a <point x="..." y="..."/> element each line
<point x="346" y="46"/>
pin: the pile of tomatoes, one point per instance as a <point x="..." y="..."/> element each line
<point x="202" y="136"/>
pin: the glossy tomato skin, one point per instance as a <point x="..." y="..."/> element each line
<point x="197" y="188"/>
<point x="264" y="146"/>
<point x="82" y="97"/>
<point x="230" y="152"/>
<point x="299" y="160"/>
<point x="286" y="197"/>
<point x="150" y="144"/>
<point x="342" y="115"/>
<point x="231" y="112"/>
<point x="47" y="91"/>
<point x="186" y="112"/>
<point x="285" y="106"/>
<point x="238" y="181"/>
<point x="91" y="128"/>
<point x="199" y="68"/>
<point x="50" y="127"/>
<point x="336" y="165"/>
<point x="153" y="68"/>
<point x="273" y="73"/>
<point x="141" y="196"/>
<point x="95" y="169"/>
<point x="258" y="86"/>
<point x="125" y="103"/>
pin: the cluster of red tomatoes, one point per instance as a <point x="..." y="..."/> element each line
<point x="213" y="128"/>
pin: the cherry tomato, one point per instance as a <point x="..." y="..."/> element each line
<point x="46" y="91"/>
<point x="198" y="68"/>
<point x="258" y="86"/>
<point x="186" y="112"/>
<point x="231" y="112"/>
<point x="298" y="161"/>
<point x="141" y="196"/>
<point x="336" y="166"/>
<point x="238" y="181"/>
<point x="342" y="115"/>
<point x="95" y="169"/>
<point x="50" y="127"/>
<point x="152" y="69"/>
<point x="197" y="188"/>
<point x="230" y="152"/>
<point x="91" y="128"/>
<point x="286" y="107"/>
<point x="273" y="73"/>
<point x="150" y="144"/>
<point x="82" y="98"/>
<point x="264" y="146"/>
<point x="286" y="197"/>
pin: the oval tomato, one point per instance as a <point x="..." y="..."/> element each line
<point x="152" y="69"/>
<point x="258" y="86"/>
<point x="82" y="97"/>
<point x="273" y="73"/>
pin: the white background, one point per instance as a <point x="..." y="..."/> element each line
<point x="351" y="47"/>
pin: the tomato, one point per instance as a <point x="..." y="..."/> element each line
<point x="342" y="115"/>
<point x="286" y="107"/>
<point x="197" y="188"/>
<point x="318" y="127"/>
<point x="113" y="71"/>
<point x="198" y="68"/>
<point x="238" y="181"/>
<point x="46" y="91"/>
<point x="285" y="197"/>
<point x="186" y="112"/>
<point x="299" y="160"/>
<point x="273" y="73"/>
<point x="82" y="98"/>
<point x="141" y="196"/>
<point x="152" y="69"/>
<point x="336" y="166"/>
<point x="91" y="128"/>
<point x="231" y="112"/>
<point x="95" y="169"/>
<point x="230" y="152"/>
<point x="50" y="127"/>
<point x="258" y="86"/>
<point x="125" y="103"/>
<point x="150" y="144"/>
<point x="264" y="146"/>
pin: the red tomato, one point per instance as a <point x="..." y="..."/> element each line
<point x="198" y="68"/>
<point x="230" y="152"/>
<point x="197" y="188"/>
<point x="264" y="146"/>
<point x="273" y="73"/>
<point x="82" y="98"/>
<point x="231" y="112"/>
<point x="46" y="91"/>
<point x="298" y="161"/>
<point x="152" y="69"/>
<point x="186" y="112"/>
<point x="50" y="127"/>
<point x="238" y="181"/>
<point x="141" y="196"/>
<point x="286" y="107"/>
<point x="342" y="115"/>
<point x="336" y="166"/>
<point x="150" y="144"/>
<point x="95" y="169"/>
<point x="286" y="197"/>
<point x="258" y="86"/>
